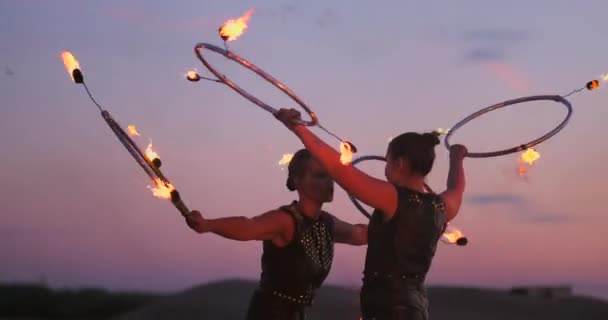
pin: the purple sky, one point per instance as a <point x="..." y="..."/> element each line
<point x="75" y="210"/>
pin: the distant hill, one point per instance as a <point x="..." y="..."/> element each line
<point x="25" y="301"/>
<point x="229" y="299"/>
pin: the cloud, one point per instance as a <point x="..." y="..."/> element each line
<point x="521" y="208"/>
<point x="549" y="218"/>
<point x="498" y="36"/>
<point x="501" y="198"/>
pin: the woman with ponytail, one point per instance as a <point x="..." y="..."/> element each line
<point x="407" y="222"/>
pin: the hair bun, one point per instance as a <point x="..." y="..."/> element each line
<point x="432" y="138"/>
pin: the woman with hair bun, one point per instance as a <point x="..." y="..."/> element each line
<point x="407" y="222"/>
<point x="298" y="241"/>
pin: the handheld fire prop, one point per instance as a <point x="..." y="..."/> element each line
<point x="529" y="155"/>
<point x="230" y="31"/>
<point x="451" y="235"/>
<point x="149" y="161"/>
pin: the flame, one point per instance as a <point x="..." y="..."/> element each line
<point x="150" y="153"/>
<point x="232" y="29"/>
<point x="192" y="75"/>
<point x="441" y="131"/>
<point x="286" y="159"/>
<point x="346" y="153"/>
<point x="526" y="160"/>
<point x="70" y="63"/>
<point x="132" y="130"/>
<point x="162" y="189"/>
<point x="452" y="235"/>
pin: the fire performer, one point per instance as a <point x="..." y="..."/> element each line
<point x="407" y="222"/>
<point x="298" y="241"/>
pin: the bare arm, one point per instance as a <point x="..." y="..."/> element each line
<point x="452" y="196"/>
<point x="353" y="234"/>
<point x="267" y="226"/>
<point x="374" y="192"/>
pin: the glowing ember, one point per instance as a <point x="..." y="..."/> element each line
<point x="132" y="130"/>
<point x="150" y="153"/>
<point x="346" y="153"/>
<point x="286" y="159"/>
<point x="192" y="75"/>
<point x="162" y="190"/>
<point x="527" y="159"/>
<point x="232" y="29"/>
<point x="441" y="131"/>
<point x="452" y="234"/>
<point x="70" y="63"/>
<point x="530" y="156"/>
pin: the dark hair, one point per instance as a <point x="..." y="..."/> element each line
<point x="297" y="167"/>
<point x="418" y="149"/>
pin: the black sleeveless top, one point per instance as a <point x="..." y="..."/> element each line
<point x="293" y="272"/>
<point x="400" y="251"/>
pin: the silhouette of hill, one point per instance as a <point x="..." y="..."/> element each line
<point x="229" y="299"/>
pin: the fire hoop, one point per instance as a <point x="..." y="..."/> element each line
<point x="524" y="146"/>
<point x="461" y="241"/>
<point x="234" y="57"/>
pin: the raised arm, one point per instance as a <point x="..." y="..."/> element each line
<point x="353" y="234"/>
<point x="374" y="192"/>
<point x="452" y="196"/>
<point x="267" y="226"/>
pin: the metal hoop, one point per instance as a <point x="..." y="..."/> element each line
<point x="522" y="147"/>
<point x="234" y="57"/>
<point x="352" y="198"/>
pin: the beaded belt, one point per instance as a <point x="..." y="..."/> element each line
<point x="304" y="299"/>
<point x="391" y="276"/>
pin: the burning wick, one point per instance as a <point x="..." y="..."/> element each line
<point x="454" y="236"/>
<point x="441" y="131"/>
<point x="193" y="76"/>
<point x="286" y="159"/>
<point x="162" y="190"/>
<point x="232" y="29"/>
<point x="346" y="152"/>
<point x="132" y="130"/>
<point x="72" y="66"/>
<point x="153" y="156"/>
<point x="591" y="85"/>
<point x="527" y="159"/>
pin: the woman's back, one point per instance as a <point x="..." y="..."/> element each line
<point x="400" y="251"/>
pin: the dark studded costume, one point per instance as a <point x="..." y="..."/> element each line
<point x="399" y="255"/>
<point x="291" y="274"/>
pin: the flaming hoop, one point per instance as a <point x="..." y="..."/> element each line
<point x="150" y="164"/>
<point x="450" y="235"/>
<point x="521" y="147"/>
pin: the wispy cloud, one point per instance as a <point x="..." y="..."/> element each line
<point x="520" y="208"/>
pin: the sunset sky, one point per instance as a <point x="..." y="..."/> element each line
<point x="75" y="209"/>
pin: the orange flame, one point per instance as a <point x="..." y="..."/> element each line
<point x="452" y="234"/>
<point x="132" y="130"/>
<point x="527" y="159"/>
<point x="232" y="29"/>
<point x="346" y="153"/>
<point x="70" y="63"/>
<point x="150" y="153"/>
<point x="162" y="189"/>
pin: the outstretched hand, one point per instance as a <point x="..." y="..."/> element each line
<point x="196" y="222"/>
<point x="289" y="117"/>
